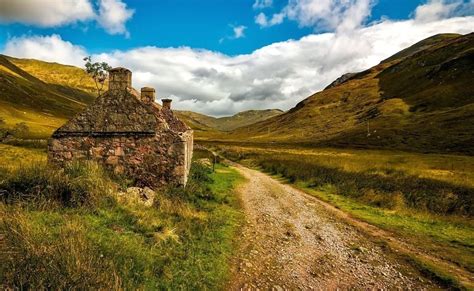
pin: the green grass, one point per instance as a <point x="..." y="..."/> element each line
<point x="424" y="199"/>
<point x="184" y="241"/>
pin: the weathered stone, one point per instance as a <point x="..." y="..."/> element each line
<point x="144" y="196"/>
<point x="97" y="151"/>
<point x="119" y="151"/>
<point x="129" y="134"/>
<point x="56" y="145"/>
<point x="119" y="169"/>
<point x="112" y="160"/>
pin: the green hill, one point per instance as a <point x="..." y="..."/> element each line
<point x="43" y="95"/>
<point x="420" y="99"/>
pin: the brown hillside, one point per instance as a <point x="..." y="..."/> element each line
<point x="419" y="99"/>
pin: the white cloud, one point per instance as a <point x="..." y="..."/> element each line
<point x="261" y="19"/>
<point x="239" y="31"/>
<point x="440" y="9"/>
<point x="324" y="14"/>
<point x="260" y="4"/>
<point x="275" y="76"/>
<point x="45" y="13"/>
<point x="113" y="14"/>
<point x="47" y="48"/>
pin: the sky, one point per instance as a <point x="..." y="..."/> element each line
<point x="221" y="57"/>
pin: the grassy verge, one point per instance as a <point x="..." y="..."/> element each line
<point x="184" y="241"/>
<point x="389" y="190"/>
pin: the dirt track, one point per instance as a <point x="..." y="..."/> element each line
<point x="294" y="241"/>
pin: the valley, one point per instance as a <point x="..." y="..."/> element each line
<point x="368" y="183"/>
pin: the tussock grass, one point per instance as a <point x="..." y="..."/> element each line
<point x="86" y="240"/>
<point x="77" y="184"/>
<point x="36" y="255"/>
<point x="392" y="189"/>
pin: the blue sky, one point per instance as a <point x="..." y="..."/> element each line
<point x="194" y="23"/>
<point x="221" y="57"/>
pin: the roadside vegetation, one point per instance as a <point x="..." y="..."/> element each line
<point x="64" y="229"/>
<point x="424" y="199"/>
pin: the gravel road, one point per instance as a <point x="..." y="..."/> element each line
<point x="292" y="241"/>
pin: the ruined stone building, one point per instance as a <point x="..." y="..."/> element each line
<point x="128" y="133"/>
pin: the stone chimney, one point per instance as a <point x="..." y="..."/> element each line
<point x="166" y="103"/>
<point x="148" y="95"/>
<point x="120" y="79"/>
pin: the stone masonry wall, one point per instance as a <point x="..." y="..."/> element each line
<point x="129" y="134"/>
<point x="153" y="161"/>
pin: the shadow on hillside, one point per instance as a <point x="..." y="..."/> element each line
<point x="437" y="78"/>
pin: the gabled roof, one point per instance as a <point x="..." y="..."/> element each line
<point x="115" y="113"/>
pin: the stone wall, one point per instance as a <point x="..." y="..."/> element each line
<point x="152" y="160"/>
<point x="129" y="133"/>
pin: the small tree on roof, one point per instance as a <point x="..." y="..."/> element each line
<point x="99" y="71"/>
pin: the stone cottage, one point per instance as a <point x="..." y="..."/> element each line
<point x="128" y="133"/>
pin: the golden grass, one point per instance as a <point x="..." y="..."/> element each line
<point x="454" y="169"/>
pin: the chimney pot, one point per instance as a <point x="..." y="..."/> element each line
<point x="166" y="103"/>
<point x="120" y="79"/>
<point x="148" y="95"/>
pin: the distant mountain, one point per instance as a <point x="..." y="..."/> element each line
<point x="244" y="118"/>
<point x="422" y="99"/>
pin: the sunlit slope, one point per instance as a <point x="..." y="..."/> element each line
<point x="420" y="99"/>
<point x="228" y="123"/>
<point x="43" y="95"/>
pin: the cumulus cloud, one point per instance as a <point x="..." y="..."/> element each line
<point x="275" y="76"/>
<point x="112" y="14"/>
<point x="239" y="31"/>
<point x="45" y="13"/>
<point x="328" y="14"/>
<point x="260" y="4"/>
<point x="48" y="48"/>
<point x="439" y="9"/>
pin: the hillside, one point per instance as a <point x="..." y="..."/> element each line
<point x="228" y="123"/>
<point x="43" y="95"/>
<point x="420" y="99"/>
